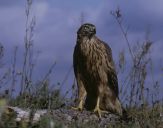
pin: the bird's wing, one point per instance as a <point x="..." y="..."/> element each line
<point x="111" y="73"/>
<point x="75" y="60"/>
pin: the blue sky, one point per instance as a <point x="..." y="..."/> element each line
<point x="58" y="20"/>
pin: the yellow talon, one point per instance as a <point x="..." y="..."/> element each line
<point x="99" y="111"/>
<point x="80" y="106"/>
<point x="97" y="108"/>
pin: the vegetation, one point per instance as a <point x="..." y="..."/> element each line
<point x="142" y="102"/>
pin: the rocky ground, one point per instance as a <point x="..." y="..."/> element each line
<point x="66" y="116"/>
<point x="69" y="116"/>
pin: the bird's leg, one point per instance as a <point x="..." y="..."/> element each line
<point x="97" y="108"/>
<point x="79" y="107"/>
<point x="81" y="100"/>
<point x="81" y="93"/>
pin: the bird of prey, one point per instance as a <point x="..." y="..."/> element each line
<point x="95" y="73"/>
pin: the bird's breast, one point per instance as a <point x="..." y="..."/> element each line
<point x="92" y="59"/>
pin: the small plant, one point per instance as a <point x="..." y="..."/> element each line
<point x="134" y="92"/>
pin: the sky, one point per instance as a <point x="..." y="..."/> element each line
<point x="57" y="22"/>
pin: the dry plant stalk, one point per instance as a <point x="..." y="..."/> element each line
<point x="27" y="69"/>
<point x="133" y="87"/>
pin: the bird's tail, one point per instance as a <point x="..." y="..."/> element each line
<point x="125" y="115"/>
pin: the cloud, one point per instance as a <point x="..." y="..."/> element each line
<point x="40" y="10"/>
<point x="12" y="24"/>
<point x="9" y="3"/>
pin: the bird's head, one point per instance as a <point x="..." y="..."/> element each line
<point x="87" y="30"/>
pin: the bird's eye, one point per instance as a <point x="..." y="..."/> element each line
<point x="85" y="28"/>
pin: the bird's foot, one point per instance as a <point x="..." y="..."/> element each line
<point x="99" y="111"/>
<point x="77" y="108"/>
<point x="80" y="106"/>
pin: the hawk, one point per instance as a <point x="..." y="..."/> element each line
<point x="95" y="73"/>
